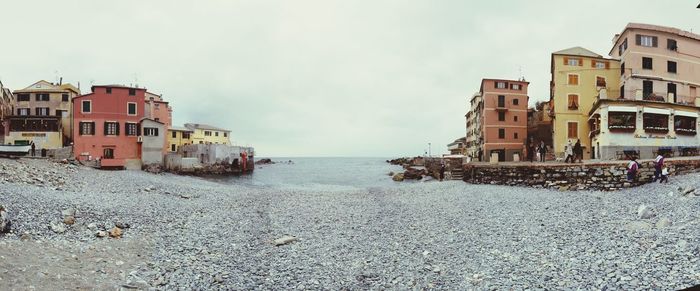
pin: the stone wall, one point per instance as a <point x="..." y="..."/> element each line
<point x="606" y="176"/>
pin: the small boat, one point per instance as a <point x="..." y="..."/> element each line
<point x="15" y="150"/>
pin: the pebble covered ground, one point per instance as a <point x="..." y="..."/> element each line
<point x="188" y="233"/>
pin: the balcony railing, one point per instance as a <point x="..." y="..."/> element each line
<point x="613" y="94"/>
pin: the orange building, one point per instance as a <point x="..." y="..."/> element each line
<point x="502" y="120"/>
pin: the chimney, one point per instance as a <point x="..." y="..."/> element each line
<point x="60" y="81"/>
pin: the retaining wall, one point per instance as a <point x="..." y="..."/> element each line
<point x="606" y="176"/>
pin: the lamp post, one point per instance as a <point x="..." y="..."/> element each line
<point x="429" y="151"/>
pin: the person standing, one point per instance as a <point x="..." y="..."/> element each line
<point x="568" y="152"/>
<point x="33" y="149"/>
<point x="442" y="171"/>
<point x="578" y="151"/>
<point x="632" y="169"/>
<point x="531" y="151"/>
<point x="542" y="151"/>
<point x="658" y="166"/>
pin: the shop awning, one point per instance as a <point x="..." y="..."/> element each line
<point x="622" y="109"/>
<point x="657" y="111"/>
<point x="686" y="113"/>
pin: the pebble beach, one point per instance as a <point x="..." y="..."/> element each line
<point x="180" y="232"/>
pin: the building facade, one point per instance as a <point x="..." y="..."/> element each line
<point x="577" y="75"/>
<point x="159" y="110"/>
<point x="502" y="120"/>
<point x="474" y="137"/>
<point x="108" y="126"/>
<point x="655" y="107"/>
<point x="178" y="137"/>
<point x="42" y="115"/>
<point x="207" y="134"/>
<point x="7" y="106"/>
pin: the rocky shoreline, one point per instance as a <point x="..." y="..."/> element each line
<point x="180" y="232"/>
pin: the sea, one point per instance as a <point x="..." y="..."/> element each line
<point x="325" y="174"/>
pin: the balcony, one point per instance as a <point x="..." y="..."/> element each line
<point x="640" y="95"/>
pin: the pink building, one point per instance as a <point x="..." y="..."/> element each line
<point x="502" y="123"/>
<point x="107" y="126"/>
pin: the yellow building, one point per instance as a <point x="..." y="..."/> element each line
<point x="42" y="115"/>
<point x="177" y="137"/>
<point x="578" y="75"/>
<point x="207" y="134"/>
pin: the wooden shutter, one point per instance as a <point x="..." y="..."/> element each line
<point x="654" y="41"/>
<point x="105" y="127"/>
<point x="117" y="127"/>
<point x="580" y="62"/>
<point x="138" y="129"/>
<point x="566" y="61"/>
<point x="607" y="65"/>
<point x="92" y="129"/>
<point x="80" y="128"/>
<point x="638" y="39"/>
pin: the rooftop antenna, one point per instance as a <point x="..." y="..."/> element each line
<point x="55" y="72"/>
<point x="520" y="70"/>
<point x="136" y="80"/>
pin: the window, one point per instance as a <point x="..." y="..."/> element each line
<point x="216" y="133"/>
<point x="622" y="91"/>
<point x="671" y="66"/>
<point x="42" y="97"/>
<point x="501" y="85"/>
<point x="515" y="135"/>
<point x="108" y="154"/>
<point x="225" y="134"/>
<point x="42" y="111"/>
<point x="573" y="129"/>
<point x="515" y="101"/>
<point x="672" y="90"/>
<point x="132" y="92"/>
<point x="109" y="90"/>
<point x="573" y="79"/>
<point x="623" y="47"/>
<point x="572" y="61"/>
<point x="647" y="89"/>
<point x="601" y="65"/>
<point x="111" y="128"/>
<point x="646" y="40"/>
<point x="685" y="125"/>
<point x="87" y="106"/>
<point x="87" y="128"/>
<point x="174" y="134"/>
<point x="131" y="108"/>
<point x="622" y="69"/>
<point x="515" y="87"/>
<point x="22" y="111"/>
<point x="573" y="102"/>
<point x="65" y="98"/>
<point x="655" y="122"/>
<point x="600" y="82"/>
<point x="647" y="63"/>
<point x="157" y="119"/>
<point x="22" y="97"/>
<point x="501" y="116"/>
<point x="60" y="112"/>
<point x="622" y="121"/>
<point x="501" y="101"/>
<point x="515" y="118"/>
<point x="150" y="131"/>
<point x="186" y="135"/>
<point x="501" y="133"/>
<point x="173" y="147"/>
<point x="201" y="142"/>
<point x="132" y="129"/>
<point x="671" y="44"/>
<point x="207" y="133"/>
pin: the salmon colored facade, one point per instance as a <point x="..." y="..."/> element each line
<point x="106" y="124"/>
<point x="503" y="119"/>
<point x="159" y="111"/>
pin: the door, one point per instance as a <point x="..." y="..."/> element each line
<point x="672" y="90"/>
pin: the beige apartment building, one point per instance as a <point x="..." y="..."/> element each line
<point x="655" y="107"/>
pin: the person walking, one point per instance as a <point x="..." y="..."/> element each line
<point x="33" y="149"/>
<point x="658" y="166"/>
<point x="531" y="151"/>
<point x="568" y="152"/>
<point x="632" y="170"/>
<point x="542" y="151"/>
<point x="578" y="151"/>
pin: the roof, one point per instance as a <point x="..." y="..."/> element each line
<point x="578" y="51"/>
<point x="652" y="27"/>
<point x="204" y="126"/>
<point x="117" y="86"/>
<point x="178" y="128"/>
<point x="45" y="86"/>
<point x="150" y="119"/>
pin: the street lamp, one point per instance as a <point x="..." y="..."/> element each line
<point x="429" y="152"/>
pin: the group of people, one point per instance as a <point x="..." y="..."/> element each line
<point x="539" y="151"/>
<point x="573" y="153"/>
<point x="660" y="169"/>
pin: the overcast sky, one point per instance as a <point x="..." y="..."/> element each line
<point x="314" y="78"/>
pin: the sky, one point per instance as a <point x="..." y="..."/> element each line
<point x="362" y="78"/>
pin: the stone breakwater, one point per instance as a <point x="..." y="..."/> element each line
<point x="185" y="233"/>
<point x="605" y="176"/>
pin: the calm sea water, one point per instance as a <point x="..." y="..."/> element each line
<point x="320" y="174"/>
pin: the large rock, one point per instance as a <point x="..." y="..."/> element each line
<point x="398" y="177"/>
<point x="5" y="223"/>
<point x="414" y="174"/>
<point x="663" y="222"/>
<point x="644" y="212"/>
<point x="115" y="232"/>
<point x="57" y="227"/>
<point x="286" y="239"/>
<point x="264" y="162"/>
